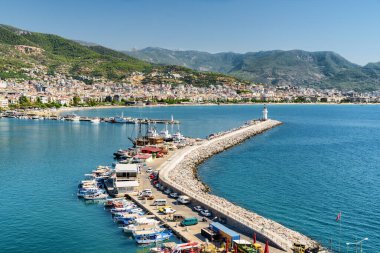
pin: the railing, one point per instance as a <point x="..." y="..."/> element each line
<point x="172" y="164"/>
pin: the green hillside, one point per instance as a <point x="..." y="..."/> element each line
<point x="52" y="54"/>
<point x="295" y="67"/>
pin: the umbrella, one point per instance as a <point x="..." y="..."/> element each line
<point x="254" y="238"/>
<point x="266" y="247"/>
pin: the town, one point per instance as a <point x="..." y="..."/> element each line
<point x="143" y="89"/>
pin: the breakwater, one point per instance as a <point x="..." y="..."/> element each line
<point x="180" y="174"/>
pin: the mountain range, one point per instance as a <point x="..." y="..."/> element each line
<point x="295" y="67"/>
<point x="23" y="52"/>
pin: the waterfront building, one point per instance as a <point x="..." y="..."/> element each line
<point x="125" y="178"/>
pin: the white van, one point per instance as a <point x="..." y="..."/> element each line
<point x="159" y="202"/>
<point x="183" y="199"/>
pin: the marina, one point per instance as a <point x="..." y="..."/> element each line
<point x="76" y="118"/>
<point x="176" y="177"/>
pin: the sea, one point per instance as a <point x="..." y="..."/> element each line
<point x="324" y="160"/>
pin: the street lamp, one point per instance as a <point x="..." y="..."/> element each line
<point x="356" y="245"/>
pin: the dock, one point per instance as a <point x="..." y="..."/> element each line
<point x="124" y="120"/>
<point x="179" y="174"/>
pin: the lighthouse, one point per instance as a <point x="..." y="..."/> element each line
<point x="265" y="113"/>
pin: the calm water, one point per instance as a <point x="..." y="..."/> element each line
<point x="322" y="160"/>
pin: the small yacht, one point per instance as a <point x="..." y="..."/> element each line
<point x="95" y="120"/>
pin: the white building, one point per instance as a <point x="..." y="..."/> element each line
<point x="125" y="178"/>
<point x="4" y="102"/>
<point x="3" y="85"/>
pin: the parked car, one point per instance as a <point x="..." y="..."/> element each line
<point x="174" y="195"/>
<point x="162" y="209"/>
<point x="206" y="213"/>
<point x="169" y="211"/>
<point x="189" y="221"/>
<point x="198" y="208"/>
<point x="149" y="170"/>
<point x="183" y="199"/>
<point x="161" y="187"/>
<point x="159" y="202"/>
<point x="147" y="190"/>
<point x="167" y="191"/>
<point x="158" y="185"/>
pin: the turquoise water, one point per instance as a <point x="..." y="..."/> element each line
<point x="322" y="160"/>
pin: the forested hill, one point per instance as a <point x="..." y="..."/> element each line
<point x="295" y="67"/>
<point x="23" y="52"/>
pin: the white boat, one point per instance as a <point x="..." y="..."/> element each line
<point x="165" y="133"/>
<point x="151" y="236"/>
<point x="95" y="120"/>
<point x="152" y="132"/>
<point x="148" y="227"/>
<point x="145" y="221"/>
<point x="73" y="117"/>
<point x="96" y="196"/>
<point x="120" y="119"/>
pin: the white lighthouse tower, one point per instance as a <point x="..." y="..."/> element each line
<point x="265" y="113"/>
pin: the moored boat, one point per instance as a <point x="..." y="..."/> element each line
<point x="96" y="196"/>
<point x="151" y="236"/>
<point x="95" y="120"/>
<point x="147" y="227"/>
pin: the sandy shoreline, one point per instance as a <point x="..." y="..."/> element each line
<point x="70" y="109"/>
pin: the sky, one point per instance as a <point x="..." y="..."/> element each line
<point x="348" y="27"/>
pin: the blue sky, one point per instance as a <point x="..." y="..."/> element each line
<point x="348" y="27"/>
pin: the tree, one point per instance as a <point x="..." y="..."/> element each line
<point x="24" y="101"/>
<point x="76" y="100"/>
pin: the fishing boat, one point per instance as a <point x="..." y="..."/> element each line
<point x="125" y="218"/>
<point x="147" y="227"/>
<point x="96" y="196"/>
<point x="82" y="192"/>
<point x="151" y="236"/>
<point x="193" y="247"/>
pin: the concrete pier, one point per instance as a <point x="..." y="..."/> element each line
<point x="179" y="173"/>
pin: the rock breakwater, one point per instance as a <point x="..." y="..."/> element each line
<point x="181" y="174"/>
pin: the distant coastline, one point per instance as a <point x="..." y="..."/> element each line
<point x="70" y="109"/>
<point x="63" y="110"/>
